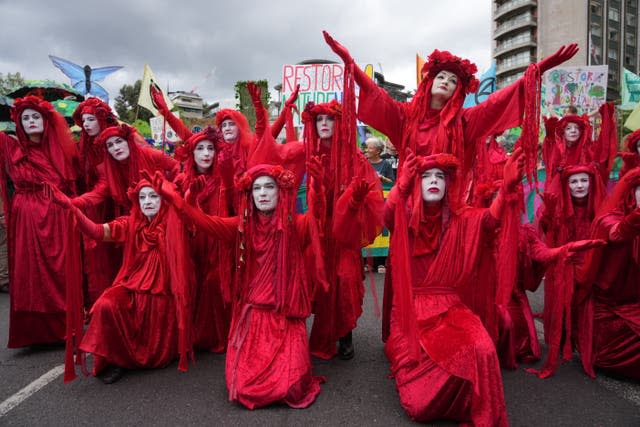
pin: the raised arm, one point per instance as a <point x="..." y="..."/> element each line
<point x="176" y="124"/>
<point x="375" y="107"/>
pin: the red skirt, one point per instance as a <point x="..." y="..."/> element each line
<point x="268" y="361"/>
<point x="132" y="330"/>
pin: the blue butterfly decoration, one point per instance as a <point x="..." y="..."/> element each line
<point x="84" y="79"/>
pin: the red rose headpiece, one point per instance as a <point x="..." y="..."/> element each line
<point x="447" y="162"/>
<point x="123" y="131"/>
<point x="444" y="60"/>
<point x="19" y="105"/>
<point x="283" y="177"/>
<point x="311" y="110"/>
<point x="98" y="108"/>
<point x="632" y="141"/>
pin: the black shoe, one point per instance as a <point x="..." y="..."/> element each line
<point x="345" y="347"/>
<point x="111" y="374"/>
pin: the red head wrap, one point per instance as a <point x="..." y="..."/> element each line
<point x="632" y="141"/>
<point x="445" y="60"/>
<point x="56" y="139"/>
<point x="98" y="108"/>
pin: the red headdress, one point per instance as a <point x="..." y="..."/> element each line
<point x="631" y="157"/>
<point x="595" y="196"/>
<point x="623" y="196"/>
<point x="92" y="155"/>
<point x="56" y="139"/>
<point x="242" y="148"/>
<point x="450" y="138"/>
<point x="121" y="174"/>
<point x="578" y="153"/>
<point x="277" y="231"/>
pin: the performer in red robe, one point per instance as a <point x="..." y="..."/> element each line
<point x="43" y="246"/>
<point x="568" y="143"/>
<point x="442" y="358"/>
<point x="347" y="226"/>
<point x="128" y="154"/>
<point x="144" y="319"/>
<point x="609" y="296"/>
<point x="202" y="185"/>
<point x="268" y="353"/>
<point x="631" y="157"/>
<point x="434" y="120"/>
<point x="93" y="116"/>
<point x="565" y="217"/>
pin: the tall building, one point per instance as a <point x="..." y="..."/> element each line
<point x="525" y="31"/>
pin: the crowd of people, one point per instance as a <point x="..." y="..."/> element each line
<point x="140" y="259"/>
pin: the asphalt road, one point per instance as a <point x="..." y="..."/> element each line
<point x="357" y="392"/>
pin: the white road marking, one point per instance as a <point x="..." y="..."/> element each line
<point x="30" y="389"/>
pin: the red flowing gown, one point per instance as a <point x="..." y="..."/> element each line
<point x="456" y="374"/>
<point x="609" y="317"/>
<point x="268" y="352"/>
<point x="42" y="246"/>
<point x="133" y="323"/>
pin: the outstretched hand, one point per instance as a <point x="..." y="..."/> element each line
<point x="158" y="99"/>
<point x="52" y="193"/>
<point x="563" y="54"/>
<point x="360" y="189"/>
<point x="291" y="101"/>
<point x="314" y="170"/>
<point x="583" y="245"/>
<point x="254" y="92"/>
<point x="550" y="201"/>
<point x="514" y="169"/>
<point x="408" y="171"/>
<point x="195" y="188"/>
<point x="161" y="185"/>
<point x="340" y="50"/>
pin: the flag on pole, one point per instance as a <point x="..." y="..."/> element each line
<point x="419" y="64"/>
<point x="144" y="99"/>
<point x="633" y="121"/>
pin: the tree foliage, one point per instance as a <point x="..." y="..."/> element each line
<point x="244" y="103"/>
<point x="126" y="104"/>
<point x="10" y="82"/>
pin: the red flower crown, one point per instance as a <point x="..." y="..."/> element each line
<point x="311" y="110"/>
<point x="444" y="60"/>
<point x="283" y="177"/>
<point x="33" y="102"/>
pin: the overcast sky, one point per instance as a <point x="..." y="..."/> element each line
<point x="208" y="45"/>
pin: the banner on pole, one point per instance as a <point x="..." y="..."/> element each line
<point x="582" y="87"/>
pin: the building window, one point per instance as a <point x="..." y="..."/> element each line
<point x="613" y="35"/>
<point x="613" y="54"/>
<point x="631" y="39"/>
<point x="596" y="9"/>
<point x="614" y="15"/>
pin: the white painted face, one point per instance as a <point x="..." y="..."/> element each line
<point x="32" y="122"/>
<point x="572" y="133"/>
<point x="324" y="125"/>
<point x="90" y="124"/>
<point x="579" y="185"/>
<point x="265" y="193"/>
<point x="229" y="130"/>
<point x="118" y="148"/>
<point x="433" y="185"/>
<point x="444" y="84"/>
<point x="638" y="196"/>
<point x="150" y="202"/>
<point x="203" y="155"/>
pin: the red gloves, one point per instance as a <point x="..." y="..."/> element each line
<point x="163" y="187"/>
<point x="630" y="225"/>
<point x="360" y="189"/>
<point x="407" y="173"/>
<point x="195" y="188"/>
<point x="340" y="50"/>
<point x="158" y="99"/>
<point x="88" y="227"/>
<point x="314" y="170"/>
<point x="514" y="170"/>
<point x="563" y="54"/>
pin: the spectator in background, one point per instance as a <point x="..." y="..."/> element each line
<point x="391" y="155"/>
<point x="373" y="150"/>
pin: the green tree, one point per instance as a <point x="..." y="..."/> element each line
<point x="126" y="104"/>
<point x="10" y="82"/>
<point x="244" y="103"/>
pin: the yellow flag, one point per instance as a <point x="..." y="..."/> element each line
<point x="633" y="121"/>
<point x="419" y="64"/>
<point x="144" y="99"/>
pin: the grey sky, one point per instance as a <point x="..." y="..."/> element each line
<point x="239" y="40"/>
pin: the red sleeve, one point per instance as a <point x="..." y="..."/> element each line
<point x="377" y="109"/>
<point x="119" y="228"/>
<point x="169" y="165"/>
<point x="177" y="125"/>
<point x="97" y="195"/>
<point x="223" y="228"/>
<point x="390" y="206"/>
<point x="502" y="110"/>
